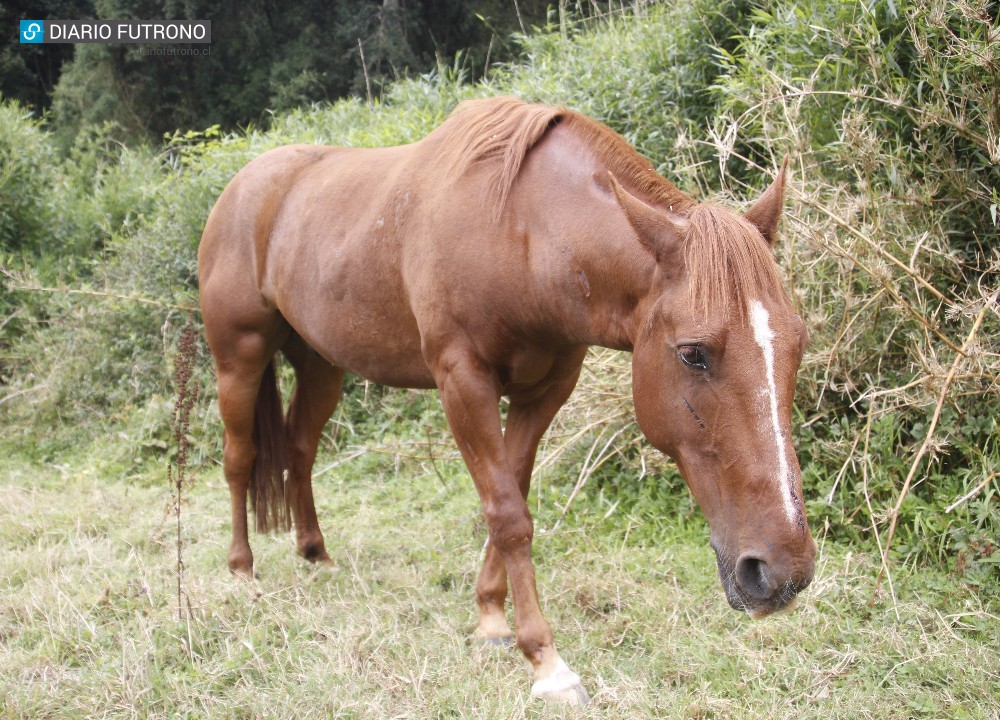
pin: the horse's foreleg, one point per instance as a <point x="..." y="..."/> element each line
<point x="527" y="420"/>
<point x="470" y="392"/>
<point x="491" y="594"/>
<point x="317" y="392"/>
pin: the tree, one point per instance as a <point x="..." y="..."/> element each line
<point x="29" y="72"/>
<point x="264" y="56"/>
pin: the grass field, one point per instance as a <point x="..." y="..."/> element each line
<point x="89" y="624"/>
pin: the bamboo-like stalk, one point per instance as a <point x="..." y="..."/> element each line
<point x="894" y="515"/>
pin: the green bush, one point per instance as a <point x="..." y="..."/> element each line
<point x="28" y="174"/>
<point x="888" y="113"/>
<point x="33" y="236"/>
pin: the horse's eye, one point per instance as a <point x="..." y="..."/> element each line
<point x="693" y="356"/>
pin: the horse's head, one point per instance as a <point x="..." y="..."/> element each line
<point x="714" y="364"/>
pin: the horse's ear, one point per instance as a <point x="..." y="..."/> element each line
<point x="765" y="213"/>
<point x="660" y="232"/>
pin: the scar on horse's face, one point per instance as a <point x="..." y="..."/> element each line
<point x="713" y="389"/>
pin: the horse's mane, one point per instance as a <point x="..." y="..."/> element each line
<point x="725" y="259"/>
<point x="500" y="130"/>
<point x="504" y="129"/>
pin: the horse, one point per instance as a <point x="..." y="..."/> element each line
<point x="483" y="260"/>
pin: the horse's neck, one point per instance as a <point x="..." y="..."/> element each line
<point x="593" y="276"/>
<point x="600" y="276"/>
<point x="616" y="275"/>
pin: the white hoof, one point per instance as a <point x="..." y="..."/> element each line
<point x="562" y="686"/>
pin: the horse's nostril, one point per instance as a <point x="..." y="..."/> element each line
<point x="753" y="578"/>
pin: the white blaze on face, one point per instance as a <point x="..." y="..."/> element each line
<point x="764" y="336"/>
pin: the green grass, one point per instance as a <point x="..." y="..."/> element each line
<point x="89" y="623"/>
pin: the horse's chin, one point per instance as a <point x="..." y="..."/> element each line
<point x="763" y="612"/>
<point x="739" y="601"/>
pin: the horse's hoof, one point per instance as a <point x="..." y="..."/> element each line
<point x="563" y="686"/>
<point x="314" y="552"/>
<point x="242" y="571"/>
<point x="493" y="632"/>
<point x="575" y="695"/>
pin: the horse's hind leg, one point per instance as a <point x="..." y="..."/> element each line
<point x="317" y="392"/>
<point x="237" y="394"/>
<point x="241" y="360"/>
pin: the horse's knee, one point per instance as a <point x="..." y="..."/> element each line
<point x="510" y="526"/>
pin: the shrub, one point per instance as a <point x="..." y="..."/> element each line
<point x="888" y="111"/>
<point x="28" y="173"/>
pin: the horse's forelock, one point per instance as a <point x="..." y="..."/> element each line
<point x="728" y="264"/>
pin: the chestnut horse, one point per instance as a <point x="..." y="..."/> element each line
<point x="482" y="261"/>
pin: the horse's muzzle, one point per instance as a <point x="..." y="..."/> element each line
<point x="759" y="587"/>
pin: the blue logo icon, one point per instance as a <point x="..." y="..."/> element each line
<point x="32" y="31"/>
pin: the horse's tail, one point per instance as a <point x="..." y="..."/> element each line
<point x="268" y="494"/>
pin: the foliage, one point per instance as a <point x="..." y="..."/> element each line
<point x="29" y="72"/>
<point x="647" y="75"/>
<point x="27" y="176"/>
<point x="888" y="112"/>
<point x="264" y="56"/>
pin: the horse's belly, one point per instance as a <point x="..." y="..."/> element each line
<point x="339" y="288"/>
<point x="381" y="352"/>
<point x="376" y="344"/>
